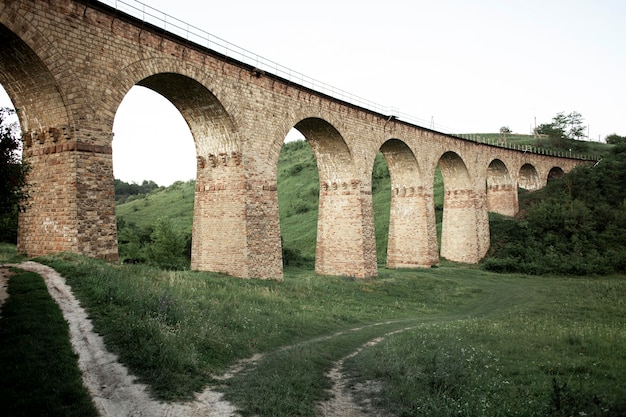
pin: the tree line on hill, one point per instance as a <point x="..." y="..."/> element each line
<point x="124" y="190"/>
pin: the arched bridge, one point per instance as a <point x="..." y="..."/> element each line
<point x="67" y="65"/>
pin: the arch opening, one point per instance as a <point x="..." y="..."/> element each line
<point x="501" y="191"/>
<point x="11" y="126"/>
<point x="177" y="134"/>
<point x="462" y="219"/>
<point x="411" y="236"/>
<point x="529" y="178"/>
<point x="298" y="201"/>
<point x="555" y="173"/>
<point x="344" y="242"/>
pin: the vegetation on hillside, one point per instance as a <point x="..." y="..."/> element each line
<point x="155" y="227"/>
<point x="125" y="191"/>
<point x="574" y="225"/>
<point x="13" y="174"/>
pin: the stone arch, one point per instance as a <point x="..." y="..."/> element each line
<point x="462" y="233"/>
<point x="501" y="189"/>
<point x="555" y="173"/>
<point x="219" y="229"/>
<point x="345" y="243"/>
<point x="334" y="159"/>
<point x="529" y="178"/>
<point x="412" y="238"/>
<point x="33" y="74"/>
<point x="210" y="124"/>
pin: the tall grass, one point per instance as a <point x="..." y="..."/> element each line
<point x="561" y="355"/>
<point x="472" y="342"/>
<point x="175" y="329"/>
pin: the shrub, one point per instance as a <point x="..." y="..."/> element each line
<point x="167" y="249"/>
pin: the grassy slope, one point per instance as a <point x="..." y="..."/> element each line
<point x="175" y="202"/>
<point x="544" y="337"/>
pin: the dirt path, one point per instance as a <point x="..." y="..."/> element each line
<point x="112" y="388"/>
<point x="342" y="402"/>
<point x="115" y="391"/>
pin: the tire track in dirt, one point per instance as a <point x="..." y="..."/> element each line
<point x="342" y="402"/>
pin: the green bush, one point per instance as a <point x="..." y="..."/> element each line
<point x="576" y="225"/>
<point x="167" y="249"/>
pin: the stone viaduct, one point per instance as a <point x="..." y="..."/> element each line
<point x="67" y="65"/>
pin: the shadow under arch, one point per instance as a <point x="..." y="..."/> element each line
<point x="31" y="86"/>
<point x="501" y="190"/>
<point x="412" y="239"/>
<point x="345" y="230"/>
<point x="465" y="221"/>
<point x="555" y="173"/>
<point x="218" y="232"/>
<point x="529" y="178"/>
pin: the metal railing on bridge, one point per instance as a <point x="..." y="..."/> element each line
<point x="204" y="39"/>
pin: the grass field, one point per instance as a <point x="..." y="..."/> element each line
<point x="468" y="343"/>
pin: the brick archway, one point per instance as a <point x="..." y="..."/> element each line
<point x="412" y="235"/>
<point x="529" y="178"/>
<point x="462" y="239"/>
<point x="342" y="233"/>
<point x="501" y="189"/>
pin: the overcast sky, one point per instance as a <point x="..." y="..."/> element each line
<point x="468" y="66"/>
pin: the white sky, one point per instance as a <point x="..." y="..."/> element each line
<point x="469" y="66"/>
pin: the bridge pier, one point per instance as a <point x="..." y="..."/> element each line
<point x="235" y="228"/>
<point x="346" y="245"/>
<point x="72" y="198"/>
<point x="502" y="199"/>
<point x="412" y="229"/>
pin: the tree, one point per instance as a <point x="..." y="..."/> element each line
<point x="167" y="249"/>
<point x="615" y="139"/>
<point x="504" y="130"/>
<point x="12" y="175"/>
<point x="564" y="128"/>
<point x="571" y="125"/>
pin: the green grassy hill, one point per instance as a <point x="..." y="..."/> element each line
<point x="174" y="202"/>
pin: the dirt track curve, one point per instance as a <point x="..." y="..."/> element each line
<point x="115" y="391"/>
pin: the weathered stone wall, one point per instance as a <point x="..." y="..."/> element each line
<point x="67" y="64"/>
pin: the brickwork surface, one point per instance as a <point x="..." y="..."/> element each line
<point x="67" y="64"/>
